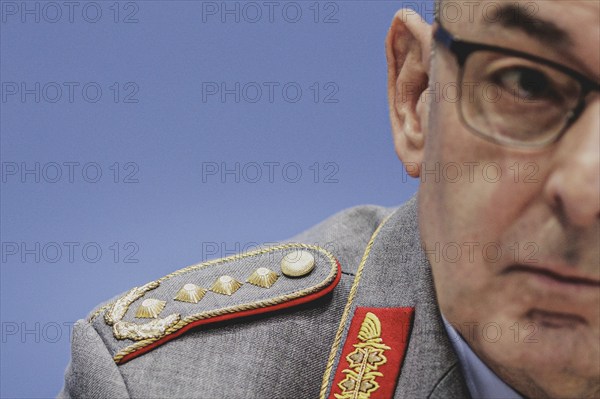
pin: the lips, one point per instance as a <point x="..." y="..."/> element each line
<point x="550" y="319"/>
<point x="562" y="275"/>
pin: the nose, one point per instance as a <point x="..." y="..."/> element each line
<point x="573" y="187"/>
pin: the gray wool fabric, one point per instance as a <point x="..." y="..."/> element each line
<point x="283" y="353"/>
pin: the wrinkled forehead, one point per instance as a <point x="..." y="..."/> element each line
<point x="562" y="28"/>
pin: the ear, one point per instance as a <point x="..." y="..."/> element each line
<point x="408" y="45"/>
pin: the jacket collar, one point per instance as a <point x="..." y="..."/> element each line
<point x="396" y="273"/>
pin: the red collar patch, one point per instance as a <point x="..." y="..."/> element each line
<point x="373" y="353"/>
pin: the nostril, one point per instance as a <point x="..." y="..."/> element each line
<point x="558" y="203"/>
<point x="560" y="209"/>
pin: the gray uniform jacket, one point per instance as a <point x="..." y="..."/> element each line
<point x="285" y="352"/>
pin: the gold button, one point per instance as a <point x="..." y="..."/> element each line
<point x="297" y="264"/>
<point x="149" y="302"/>
<point x="225" y="279"/>
<point x="190" y="293"/>
<point x="150" y="308"/>
<point x="262" y="271"/>
<point x="225" y="285"/>
<point x="263" y="277"/>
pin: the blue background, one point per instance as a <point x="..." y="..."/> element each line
<point x="160" y="131"/>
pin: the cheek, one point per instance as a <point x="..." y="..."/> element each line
<point x="472" y="192"/>
<point x="472" y="189"/>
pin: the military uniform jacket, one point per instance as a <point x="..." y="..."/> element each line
<point x="363" y="322"/>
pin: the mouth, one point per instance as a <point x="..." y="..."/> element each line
<point x="566" y="277"/>
<point x="547" y="319"/>
<point x="561" y="294"/>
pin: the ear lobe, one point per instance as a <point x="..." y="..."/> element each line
<point x="408" y="44"/>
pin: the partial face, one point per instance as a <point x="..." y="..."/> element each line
<point x="513" y="234"/>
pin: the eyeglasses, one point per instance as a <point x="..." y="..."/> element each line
<point x="513" y="98"/>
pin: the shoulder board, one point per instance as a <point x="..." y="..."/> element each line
<point x="223" y="289"/>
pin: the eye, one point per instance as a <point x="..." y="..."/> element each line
<point x="525" y="83"/>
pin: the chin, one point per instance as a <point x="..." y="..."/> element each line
<point x="545" y="369"/>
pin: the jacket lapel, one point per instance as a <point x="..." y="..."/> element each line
<point x="394" y="273"/>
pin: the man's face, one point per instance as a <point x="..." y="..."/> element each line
<point x="514" y="242"/>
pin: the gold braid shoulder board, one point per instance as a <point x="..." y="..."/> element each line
<point x="241" y="285"/>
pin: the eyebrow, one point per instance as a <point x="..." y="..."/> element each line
<point x="516" y="17"/>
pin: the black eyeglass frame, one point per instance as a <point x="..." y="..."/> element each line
<point x="462" y="49"/>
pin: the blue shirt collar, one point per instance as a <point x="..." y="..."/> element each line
<point x="481" y="381"/>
